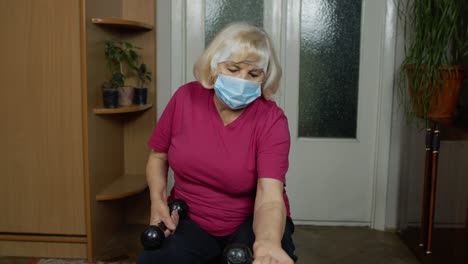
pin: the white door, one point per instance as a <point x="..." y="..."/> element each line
<point x="334" y="146"/>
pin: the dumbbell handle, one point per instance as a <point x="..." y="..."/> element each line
<point x="161" y="226"/>
<point x="153" y="236"/>
<point x="176" y="205"/>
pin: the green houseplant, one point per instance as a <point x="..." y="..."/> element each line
<point x="141" y="91"/>
<point x="110" y="90"/>
<point x="122" y="58"/>
<point x="431" y="73"/>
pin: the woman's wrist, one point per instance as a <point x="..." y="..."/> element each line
<point x="158" y="197"/>
<point x="265" y="249"/>
<point x="265" y="243"/>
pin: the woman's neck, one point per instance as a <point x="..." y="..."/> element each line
<point x="227" y="114"/>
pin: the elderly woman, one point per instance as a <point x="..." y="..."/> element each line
<point x="228" y="146"/>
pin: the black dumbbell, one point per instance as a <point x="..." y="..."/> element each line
<point x="153" y="236"/>
<point x="237" y="254"/>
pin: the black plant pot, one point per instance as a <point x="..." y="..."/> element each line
<point x="140" y="96"/>
<point x="110" y="98"/>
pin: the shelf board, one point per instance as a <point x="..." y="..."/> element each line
<point x="120" y="110"/>
<point x="122" y="23"/>
<point x="124" y="186"/>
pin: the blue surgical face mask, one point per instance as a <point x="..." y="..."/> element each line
<point x="236" y="93"/>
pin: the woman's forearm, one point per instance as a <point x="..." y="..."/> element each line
<point x="269" y="222"/>
<point x="269" y="211"/>
<point x="156" y="176"/>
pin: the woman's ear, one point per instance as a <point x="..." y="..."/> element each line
<point x="265" y="77"/>
<point x="213" y="78"/>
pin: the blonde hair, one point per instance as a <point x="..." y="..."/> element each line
<point x="240" y="42"/>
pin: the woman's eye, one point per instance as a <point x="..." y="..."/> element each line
<point x="233" y="70"/>
<point x="254" y="75"/>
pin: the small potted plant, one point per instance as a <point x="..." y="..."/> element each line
<point x="432" y="71"/>
<point x="110" y="92"/>
<point x="141" y="92"/>
<point x="121" y="58"/>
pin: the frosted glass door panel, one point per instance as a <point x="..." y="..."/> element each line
<point x="329" y="68"/>
<point x="219" y="13"/>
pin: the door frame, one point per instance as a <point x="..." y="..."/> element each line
<point x="379" y="213"/>
<point x="172" y="23"/>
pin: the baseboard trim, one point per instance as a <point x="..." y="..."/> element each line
<point x="43" y="238"/>
<point x="42" y="249"/>
<point x="331" y="223"/>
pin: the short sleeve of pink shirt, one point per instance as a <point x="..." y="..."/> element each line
<point x="216" y="165"/>
<point x="160" y="140"/>
<point x="273" y="147"/>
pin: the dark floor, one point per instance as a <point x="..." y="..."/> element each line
<point x="343" y="245"/>
<point x="314" y="245"/>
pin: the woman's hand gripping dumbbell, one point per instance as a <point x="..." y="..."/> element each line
<point x="153" y="236"/>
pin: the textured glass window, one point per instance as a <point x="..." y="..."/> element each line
<point x="329" y="68"/>
<point x="220" y="13"/>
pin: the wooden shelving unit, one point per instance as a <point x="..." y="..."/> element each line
<point x="121" y="110"/>
<point x="121" y="23"/>
<point x="91" y="176"/>
<point x="117" y="138"/>
<point x="124" y="186"/>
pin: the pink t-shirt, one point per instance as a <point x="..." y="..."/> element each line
<point x="216" y="167"/>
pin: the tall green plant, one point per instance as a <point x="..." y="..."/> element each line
<point x="436" y="32"/>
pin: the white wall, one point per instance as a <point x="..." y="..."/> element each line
<point x="163" y="61"/>
<point x="398" y="138"/>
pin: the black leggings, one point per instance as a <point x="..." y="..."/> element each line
<point x="191" y="244"/>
